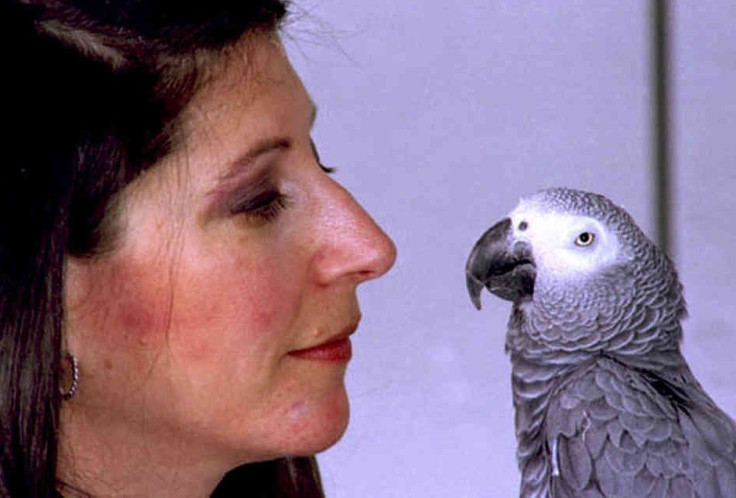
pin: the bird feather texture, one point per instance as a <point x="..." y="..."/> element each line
<point x="605" y="403"/>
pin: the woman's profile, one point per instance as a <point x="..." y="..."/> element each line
<point x="178" y="268"/>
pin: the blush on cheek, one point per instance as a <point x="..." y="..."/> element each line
<point x="140" y="321"/>
<point x="121" y="306"/>
<point x="233" y="297"/>
<point x="276" y="280"/>
<point x="264" y="293"/>
<point x="265" y="314"/>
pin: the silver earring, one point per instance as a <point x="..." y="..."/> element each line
<point x="69" y="393"/>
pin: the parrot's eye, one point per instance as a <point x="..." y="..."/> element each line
<point x="523" y="226"/>
<point x="585" y="239"/>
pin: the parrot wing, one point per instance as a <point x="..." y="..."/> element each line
<point x="614" y="431"/>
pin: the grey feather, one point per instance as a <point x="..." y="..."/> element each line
<point x="605" y="403"/>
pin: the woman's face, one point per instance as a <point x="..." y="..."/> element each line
<point x="220" y="321"/>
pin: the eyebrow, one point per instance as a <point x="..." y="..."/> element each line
<point x="243" y="161"/>
<point x="262" y="147"/>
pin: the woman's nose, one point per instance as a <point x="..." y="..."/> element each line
<point x="352" y="246"/>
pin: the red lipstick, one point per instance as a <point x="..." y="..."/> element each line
<point x="338" y="350"/>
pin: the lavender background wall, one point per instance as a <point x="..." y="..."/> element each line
<point x="439" y="116"/>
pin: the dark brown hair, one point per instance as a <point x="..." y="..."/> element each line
<point x="93" y="95"/>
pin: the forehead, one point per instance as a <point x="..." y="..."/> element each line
<point x="537" y="207"/>
<point x="573" y="202"/>
<point x="543" y="218"/>
<point x="252" y="96"/>
<point x="253" y="80"/>
<point x="526" y="208"/>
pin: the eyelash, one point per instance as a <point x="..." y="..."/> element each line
<point x="263" y="208"/>
<point x="327" y="169"/>
<point x="324" y="168"/>
<point x="267" y="206"/>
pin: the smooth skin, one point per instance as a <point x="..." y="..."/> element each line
<point x="235" y="252"/>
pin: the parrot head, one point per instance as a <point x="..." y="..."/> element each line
<point x="574" y="260"/>
<point x="559" y="236"/>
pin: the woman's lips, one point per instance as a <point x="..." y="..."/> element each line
<point x="337" y="350"/>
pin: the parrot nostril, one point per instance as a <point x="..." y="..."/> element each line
<point x="523" y="226"/>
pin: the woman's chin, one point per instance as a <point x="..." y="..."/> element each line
<point x="317" y="426"/>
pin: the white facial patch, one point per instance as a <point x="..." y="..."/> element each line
<point x="564" y="245"/>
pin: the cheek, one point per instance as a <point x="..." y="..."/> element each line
<point x="232" y="304"/>
<point x="139" y="319"/>
<point x="206" y="310"/>
<point x="121" y="305"/>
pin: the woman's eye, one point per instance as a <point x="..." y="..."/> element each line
<point x="585" y="239"/>
<point x="262" y="208"/>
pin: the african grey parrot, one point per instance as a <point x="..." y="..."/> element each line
<point x="605" y="403"/>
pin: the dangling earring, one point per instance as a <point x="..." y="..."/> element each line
<point x="69" y="393"/>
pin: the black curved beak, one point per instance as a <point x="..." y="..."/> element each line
<point x="504" y="266"/>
